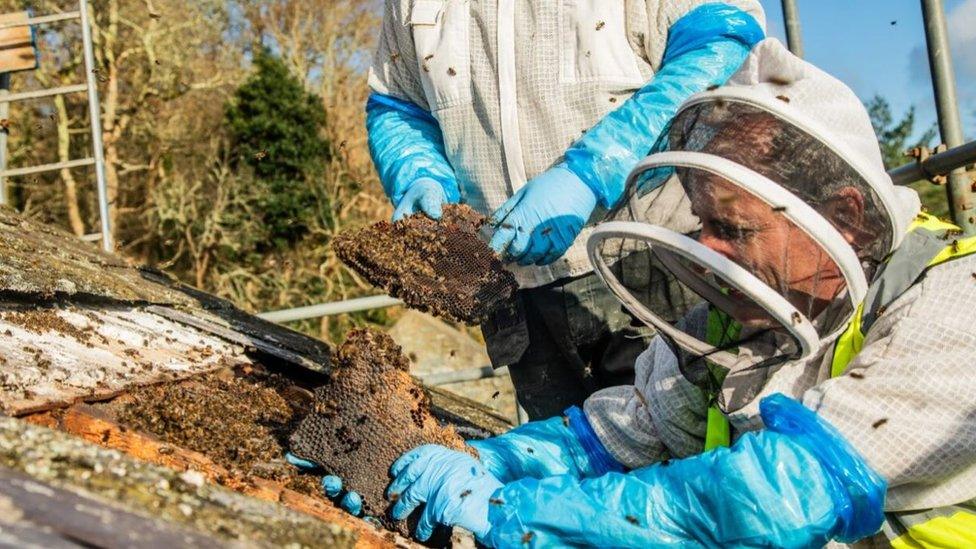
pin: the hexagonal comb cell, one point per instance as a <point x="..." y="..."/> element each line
<point x="369" y="414"/>
<point x="441" y="267"/>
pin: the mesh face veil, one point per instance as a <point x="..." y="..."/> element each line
<point x="791" y="230"/>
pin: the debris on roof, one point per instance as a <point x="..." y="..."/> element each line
<point x="59" y="488"/>
<point x="42" y="261"/>
<point x="129" y="360"/>
<point x="54" y="355"/>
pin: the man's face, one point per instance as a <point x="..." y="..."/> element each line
<point x="762" y="240"/>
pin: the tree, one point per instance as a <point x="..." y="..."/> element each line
<point x="275" y="127"/>
<point x="895" y="138"/>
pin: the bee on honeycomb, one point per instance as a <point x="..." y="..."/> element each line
<point x="369" y="413"/>
<point x="441" y="267"/>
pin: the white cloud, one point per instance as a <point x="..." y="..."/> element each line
<point x="962" y="41"/>
<point x="962" y="35"/>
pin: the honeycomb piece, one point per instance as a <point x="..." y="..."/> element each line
<point x="369" y="414"/>
<point x="441" y="267"/>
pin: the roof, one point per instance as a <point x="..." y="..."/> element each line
<point x="80" y="326"/>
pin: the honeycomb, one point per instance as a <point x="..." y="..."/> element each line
<point x="441" y="267"/>
<point x="369" y="413"/>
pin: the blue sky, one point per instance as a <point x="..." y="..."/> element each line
<point x="856" y="41"/>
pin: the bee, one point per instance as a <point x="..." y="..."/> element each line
<point x="527" y="538"/>
<point x="879" y="423"/>
<point x="783" y="98"/>
<point x="796" y="318"/>
<point x="451" y="71"/>
<point x="600" y="25"/>
<point x="465" y="493"/>
<point x="261" y="155"/>
<point x="495" y="395"/>
<point x="857" y="375"/>
<point x="632" y="519"/>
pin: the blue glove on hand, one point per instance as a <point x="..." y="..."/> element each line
<point x="541" y="221"/>
<point x="351" y="502"/>
<point x="424" y="195"/>
<point x="454" y="487"/>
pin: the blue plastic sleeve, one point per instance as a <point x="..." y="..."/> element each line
<point x="406" y="144"/>
<point x="705" y="47"/>
<point x="795" y="484"/>
<point x="858" y="491"/>
<point x="601" y="462"/>
<point x="538" y="449"/>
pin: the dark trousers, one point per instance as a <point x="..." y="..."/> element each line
<point x="564" y="341"/>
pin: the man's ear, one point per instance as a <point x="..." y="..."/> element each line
<point x="846" y="210"/>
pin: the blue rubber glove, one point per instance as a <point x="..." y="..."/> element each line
<point x="351" y="502"/>
<point x="540" y="222"/>
<point x="407" y="147"/>
<point x="453" y="486"/>
<point x="565" y="445"/>
<point x="796" y="484"/>
<point x="424" y="195"/>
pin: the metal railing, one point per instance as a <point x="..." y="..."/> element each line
<point x="94" y="110"/>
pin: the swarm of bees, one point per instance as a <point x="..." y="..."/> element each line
<point x="369" y="414"/>
<point x="441" y="267"/>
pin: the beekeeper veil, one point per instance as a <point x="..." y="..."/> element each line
<point x="783" y="170"/>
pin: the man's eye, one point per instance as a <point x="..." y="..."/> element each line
<point x="726" y="231"/>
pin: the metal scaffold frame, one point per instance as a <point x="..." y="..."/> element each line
<point x="94" y="109"/>
<point x="960" y="188"/>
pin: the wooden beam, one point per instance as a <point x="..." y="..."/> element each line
<point x="37" y="512"/>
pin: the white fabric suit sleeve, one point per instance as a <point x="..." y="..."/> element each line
<point x="908" y="401"/>
<point x="633" y="421"/>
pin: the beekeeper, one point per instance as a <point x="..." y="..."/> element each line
<point x="829" y="338"/>
<point x="533" y="113"/>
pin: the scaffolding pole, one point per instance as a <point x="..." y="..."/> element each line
<point x="791" y="18"/>
<point x="962" y="205"/>
<point x="95" y="113"/>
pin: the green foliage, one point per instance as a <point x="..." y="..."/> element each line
<point x="895" y="138"/>
<point x="275" y="127"/>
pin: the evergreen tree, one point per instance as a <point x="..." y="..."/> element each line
<point x="894" y="138"/>
<point x="276" y="129"/>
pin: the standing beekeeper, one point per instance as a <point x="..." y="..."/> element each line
<point x="833" y="346"/>
<point x="533" y="113"/>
